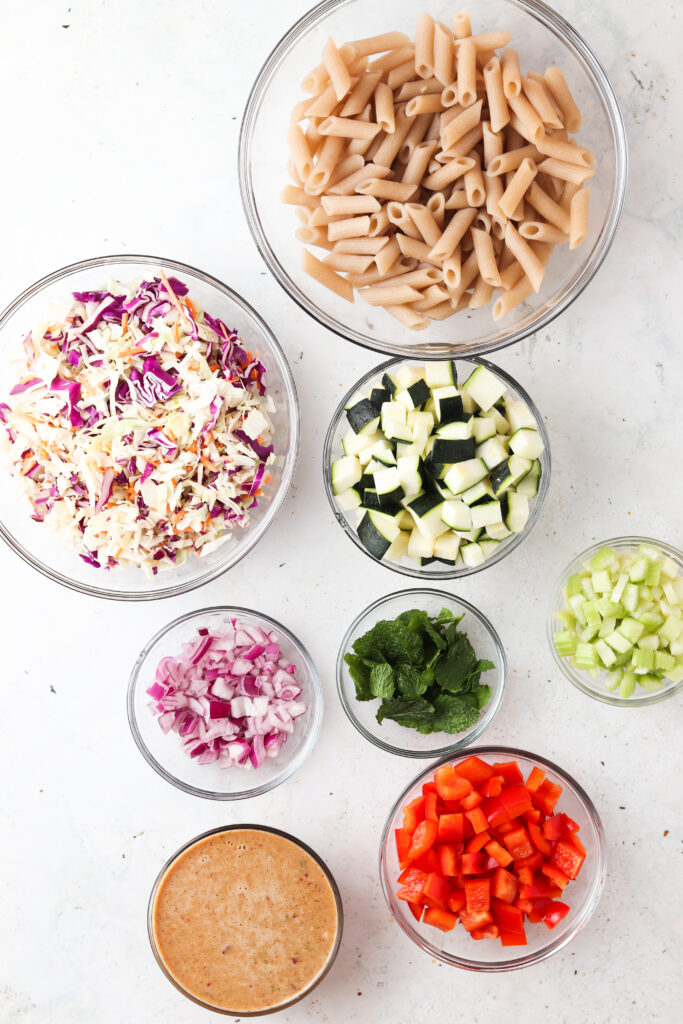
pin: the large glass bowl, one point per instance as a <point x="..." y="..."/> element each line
<point x="594" y="686"/>
<point x="391" y="736"/>
<point x="347" y="517"/>
<point x="582" y="895"/>
<point x="36" y="543"/>
<point x="542" y="38"/>
<point x="164" y="751"/>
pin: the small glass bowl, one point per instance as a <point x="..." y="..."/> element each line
<point x="231" y="828"/>
<point x="347" y="517"/>
<point x="456" y="947"/>
<point x="36" y="543"/>
<point x="164" y="751"/>
<point x="595" y="687"/>
<point x="542" y="38"/>
<point x="390" y="735"/>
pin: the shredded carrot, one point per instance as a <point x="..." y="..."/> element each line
<point x="268" y="478"/>
<point x="254" y="375"/>
<point x="127" y="352"/>
<point x="124" y="324"/>
<point x="205" y="462"/>
<point x="214" y="367"/>
<point x="192" y="448"/>
<point x="174" y="298"/>
<point x="190" y="305"/>
<point x="258" y="493"/>
<point x="206" y="522"/>
<point x="175" y="333"/>
<point x="209" y="437"/>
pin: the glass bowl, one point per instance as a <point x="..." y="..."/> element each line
<point x="542" y="38"/>
<point x="434" y="570"/>
<point x="456" y="947"/>
<point x="595" y="687"/>
<point x="164" y="751"/>
<point x="37" y="544"/>
<point x="231" y="828"/>
<point x="390" y="735"/>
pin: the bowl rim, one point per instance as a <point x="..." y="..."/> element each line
<point x="252" y="536"/>
<point x="489" y="712"/>
<point x="289" y="769"/>
<point x="580" y="679"/>
<point x="590" y="902"/>
<point x="257" y="828"/>
<point x="560" y="27"/>
<point x="505" y="547"/>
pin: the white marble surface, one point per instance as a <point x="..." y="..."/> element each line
<point x="120" y="126"/>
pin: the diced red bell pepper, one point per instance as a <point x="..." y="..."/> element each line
<point x="555" y="914"/>
<point x="457" y="900"/>
<point x="540" y="887"/>
<point x="515" y="800"/>
<point x="575" y="841"/>
<point x="428" y="787"/>
<point x="518" y="843"/>
<point x="536" y="777"/>
<point x="473" y="863"/>
<point x="477" y="820"/>
<point x="477" y="842"/>
<point x="539" y="908"/>
<point x="424" y="838"/>
<point x="556" y="876"/>
<point x="546" y="796"/>
<point x="552" y="828"/>
<point x="510" y="772"/>
<point x="473" y="919"/>
<point x="525" y="876"/>
<point x="472" y="800"/>
<point x="494" y="810"/>
<point x="435" y="891"/>
<point x="431" y="801"/>
<point x="510" y="923"/>
<point x="411" y="890"/>
<point x="478" y="894"/>
<point x="449" y="785"/>
<point x="474" y="769"/>
<point x="407" y="873"/>
<point x="413" y="813"/>
<point x="450" y="828"/>
<point x="443" y="919"/>
<point x="416" y="910"/>
<point x="402" y="845"/>
<point x="492" y="786"/>
<point x="499" y="853"/>
<point x="526" y="906"/>
<point x="567" y="858"/>
<point x="504" y="886"/>
<point x="533" y="815"/>
<point x="489" y="931"/>
<point x="428" y="862"/>
<point x="448" y="859"/>
<point x="505" y="827"/>
<point x="569" y="826"/>
<point x="539" y="840"/>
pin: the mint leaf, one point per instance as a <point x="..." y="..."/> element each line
<point x="483" y="695"/>
<point x="446" y="616"/>
<point x="391" y="641"/>
<point x="382" y="681"/>
<point x="453" y="672"/>
<point x="360" y="674"/>
<point x="484" y="665"/>
<point x="453" y="714"/>
<point x="410" y="713"/>
<point x="411" y="682"/>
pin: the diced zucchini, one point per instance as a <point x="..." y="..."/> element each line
<point x="448" y="405"/>
<point x="410" y="474"/>
<point x="457" y="515"/>
<point x="388" y="486"/>
<point x="399" y="548"/>
<point x="345" y="473"/>
<point x="508" y="474"/>
<point x="486" y="514"/>
<point x="390" y="383"/>
<point x="447" y="548"/>
<point x="472" y="554"/>
<point x="527" y="442"/>
<point x="354" y="444"/>
<point x="377" y="531"/>
<point x="518" y="414"/>
<point x="458" y="430"/>
<point x="498" y="531"/>
<point x="407" y="375"/>
<point x="493" y="452"/>
<point x="502" y="425"/>
<point x="349" y="499"/>
<point x="450" y="452"/>
<point x="426" y="511"/>
<point x="483" y="428"/>
<point x="465" y="474"/>
<point x="529" y="484"/>
<point x="441" y="374"/>
<point x="480" y="492"/>
<point x="378" y="396"/>
<point x="488" y="546"/>
<point x="420" y="546"/>
<point x="484" y="387"/>
<point x="518" y="511"/>
<point x="363" y="417"/>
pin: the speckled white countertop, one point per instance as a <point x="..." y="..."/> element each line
<point x="120" y="127"/>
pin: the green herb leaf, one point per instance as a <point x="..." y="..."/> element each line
<point x="410" y="682"/>
<point x="446" y="616"/>
<point x="410" y="713"/>
<point x="483" y="695"/>
<point x="391" y="641"/>
<point x="382" y="681"/>
<point x="360" y="674"/>
<point x="453" y="714"/>
<point x="453" y="672"/>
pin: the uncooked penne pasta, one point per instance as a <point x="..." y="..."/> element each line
<point x="448" y="173"/>
<point x="387" y="256"/>
<point x="384" y="108"/>
<point x="350" y="227"/>
<point x="348" y="128"/>
<point x="424" y="46"/>
<point x="326" y="276"/>
<point x="419" y="278"/>
<point x="405" y="72"/>
<point x="418" y="88"/>
<point x="390" y="294"/>
<point x="321" y="173"/>
<point x="463" y="146"/>
<point x="499" y="114"/>
<point x="491" y="40"/>
<point x="578" y="217"/>
<point x="444" y="68"/>
<point x="512" y="78"/>
<point x="383" y="189"/>
<point x="517" y="188"/>
<point x="481" y="294"/>
<point x="571" y="115"/>
<point x="360" y="94"/>
<point x="566" y="151"/>
<point x="429" y="103"/>
<point x="493" y="186"/>
<point x="533" y="126"/>
<point x="408" y="317"/>
<point x="336" y="69"/>
<point x="460" y="125"/>
<point x="466" y="64"/>
<point x="349" y="205"/>
<point x="294" y="196"/>
<point x="525" y="256"/>
<point x="347" y="262"/>
<point x="379" y="44"/>
<point x="417" y="164"/>
<point x="461" y="25"/>
<point x="538" y="231"/>
<point x="417" y="248"/>
<point x="539" y="98"/>
<point x="457" y="199"/>
<point x="548" y="208"/>
<point x="393" y="59"/>
<point x="474" y="185"/>
<point x="452" y="269"/>
<point x="506" y="302"/>
<point x="379" y="222"/>
<point x="450" y="238"/>
<point x="431" y="296"/>
<point x="346" y="186"/>
<point x="565" y="171"/>
<point x="347" y="166"/>
<point x="414" y="136"/>
<point x="436" y="204"/>
<point x="486" y="258"/>
<point x="362" y="245"/>
<point x="323" y="104"/>
<point x="301" y="154"/>
<point x="423" y="220"/>
<point x="511" y="160"/>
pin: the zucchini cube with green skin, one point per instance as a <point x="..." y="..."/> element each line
<point x="472" y="554"/>
<point x="502" y="426"/>
<point x="426" y="511"/>
<point x="483" y="428"/>
<point x="488" y="546"/>
<point x="457" y="515"/>
<point x="390" y="383"/>
<point x="420" y="546"/>
<point x="477" y="494"/>
<point x="518" y="512"/>
<point x="407" y="374"/>
<point x="457" y="430"/>
<point x="441" y="374"/>
<point x="449" y="452"/>
<point x="417" y="394"/>
<point x="484" y="387"/>
<point x="410" y="474"/>
<point x="388" y="486"/>
<point x="377" y="531"/>
<point x="378" y="396"/>
<point x="398" y="550"/>
<point x="463" y="475"/>
<point x="448" y="405"/>
<point x="529" y="484"/>
<point x="363" y="417"/>
<point x="345" y="472"/>
<point x="447" y="548"/>
<point x="421" y="423"/>
<point x="518" y="414"/>
<point x="354" y="444"/>
<point x="498" y="531"/>
<point x="493" y="452"/>
<point x="527" y="442"/>
<point x="508" y="474"/>
<point x="486" y="514"/>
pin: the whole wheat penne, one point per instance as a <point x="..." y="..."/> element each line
<point x="525" y="255"/>
<point x="452" y="269"/>
<point x="448" y="115"/>
<point x="442" y="311"/>
<point x="450" y="238"/>
<point x="424" y="46"/>
<point x="482" y="221"/>
<point x="419" y="87"/>
<point x="431" y="297"/>
<point x="512" y="78"/>
<point x="512" y="273"/>
<point x="566" y="151"/>
<point x="450" y="96"/>
<point x="321" y="173"/>
<point x="316" y="80"/>
<point x="486" y="258"/>
<point x="319" y="219"/>
<point x="295" y="196"/>
<point x="481" y="293"/>
<point x="420" y="277"/>
<point x="390" y="294"/>
<point x="313" y="136"/>
<point x="483" y="58"/>
<point x="434" y="129"/>
<point x="539" y="231"/>
<point x="408" y="317"/>
<point x="493" y="186"/>
<point x="565" y="171"/>
<point x="436" y="204"/>
<point x="379" y="43"/>
<point x="384" y="108"/>
<point x="423" y="220"/>
<point x="463" y="146"/>
<point x="349" y="205"/>
<point x="460" y="125"/>
<point x="360" y="94"/>
<point x="347" y="262"/>
<point x="491" y="40"/>
<point x="361" y="245"/>
<point x="414" y="136"/>
<point x="351" y="163"/>
<point x="324" y="104"/>
<point x="428" y="103"/>
<point x="336" y="69"/>
<point x="386" y="257"/>
<point x="539" y="98"/>
<point x="571" y="115"/>
<point x="444" y="65"/>
<point x="416" y="248"/>
<point x="548" y="208"/>
<point x="299" y="110"/>
<point x="301" y="154"/>
<point x="474" y="184"/>
<point x="569" y="190"/>
<point x="457" y="200"/>
<point x="392" y="59"/>
<point x="511" y="160"/>
<point x="516" y="190"/>
<point x="402" y="220"/>
<point x="578" y="217"/>
<point x="346" y="186"/>
<point x="405" y="72"/>
<point x="383" y="189"/>
<point x="499" y="115"/>
<point x="466" y="65"/>
<point x="348" y="128"/>
<point x="468" y="272"/>
<point x="326" y="276"/>
<point x="350" y="227"/>
<point x="417" y="164"/>
<point x="448" y="173"/>
<point x="461" y="25"/>
<point x="506" y="302"/>
<point x="528" y="117"/>
<point x="379" y="222"/>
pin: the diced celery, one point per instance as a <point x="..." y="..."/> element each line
<point x="666" y="609"/>
<point x="587" y="633"/>
<point x="574" y="585"/>
<point x="676" y="674"/>
<point x="601" y="581"/>
<point x="608" y="609"/>
<point x="629" y="597"/>
<point x="592" y="613"/>
<point x="669" y="568"/>
<point x="602" y="558"/>
<point x="576" y="603"/>
<point x="657" y="593"/>
<point x="619" y="586"/>
<point x="586" y="656"/>
<point x="677" y="585"/>
<point x="651" y="621"/>
<point x="596" y="672"/>
<point x="650" y="682"/>
<point x="670" y="593"/>
<point x="643" y="661"/>
<point x="644" y="594"/>
<point x="664" y="662"/>
<point x="565" y="642"/>
<point x="623" y="659"/>
<point x="605" y="653"/>
<point x="631" y="629"/>
<point x="649" y="642"/>
<point x="628" y="685"/>
<point x="613" y="679"/>
<point x="607" y="627"/>
<point x="671" y="628"/>
<point x="566" y="618"/>
<point x="638" y="570"/>
<point x="654" y="570"/>
<point x="587" y="588"/>
<point x="676" y="646"/>
<point x="647" y="551"/>
<point x="618" y="642"/>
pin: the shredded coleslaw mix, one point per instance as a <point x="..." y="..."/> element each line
<point x="141" y="431"/>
